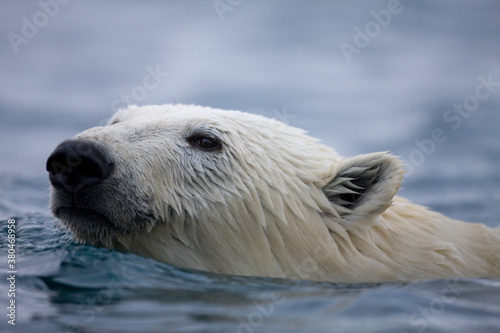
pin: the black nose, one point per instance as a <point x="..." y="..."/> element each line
<point x="76" y="164"/>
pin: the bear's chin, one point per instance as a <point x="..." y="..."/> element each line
<point x="89" y="226"/>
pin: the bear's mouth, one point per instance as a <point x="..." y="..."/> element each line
<point x="88" y="225"/>
<point x="80" y="212"/>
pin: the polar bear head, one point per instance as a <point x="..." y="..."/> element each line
<point x="189" y="184"/>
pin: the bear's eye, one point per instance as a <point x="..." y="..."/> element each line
<point x="205" y="143"/>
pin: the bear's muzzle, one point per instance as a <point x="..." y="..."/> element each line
<point x="75" y="165"/>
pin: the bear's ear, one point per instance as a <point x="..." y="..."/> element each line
<point x="364" y="185"/>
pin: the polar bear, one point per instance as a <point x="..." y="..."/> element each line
<point x="236" y="193"/>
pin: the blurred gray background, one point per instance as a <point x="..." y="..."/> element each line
<point x="361" y="76"/>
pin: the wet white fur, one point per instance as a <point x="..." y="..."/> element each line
<point x="268" y="203"/>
